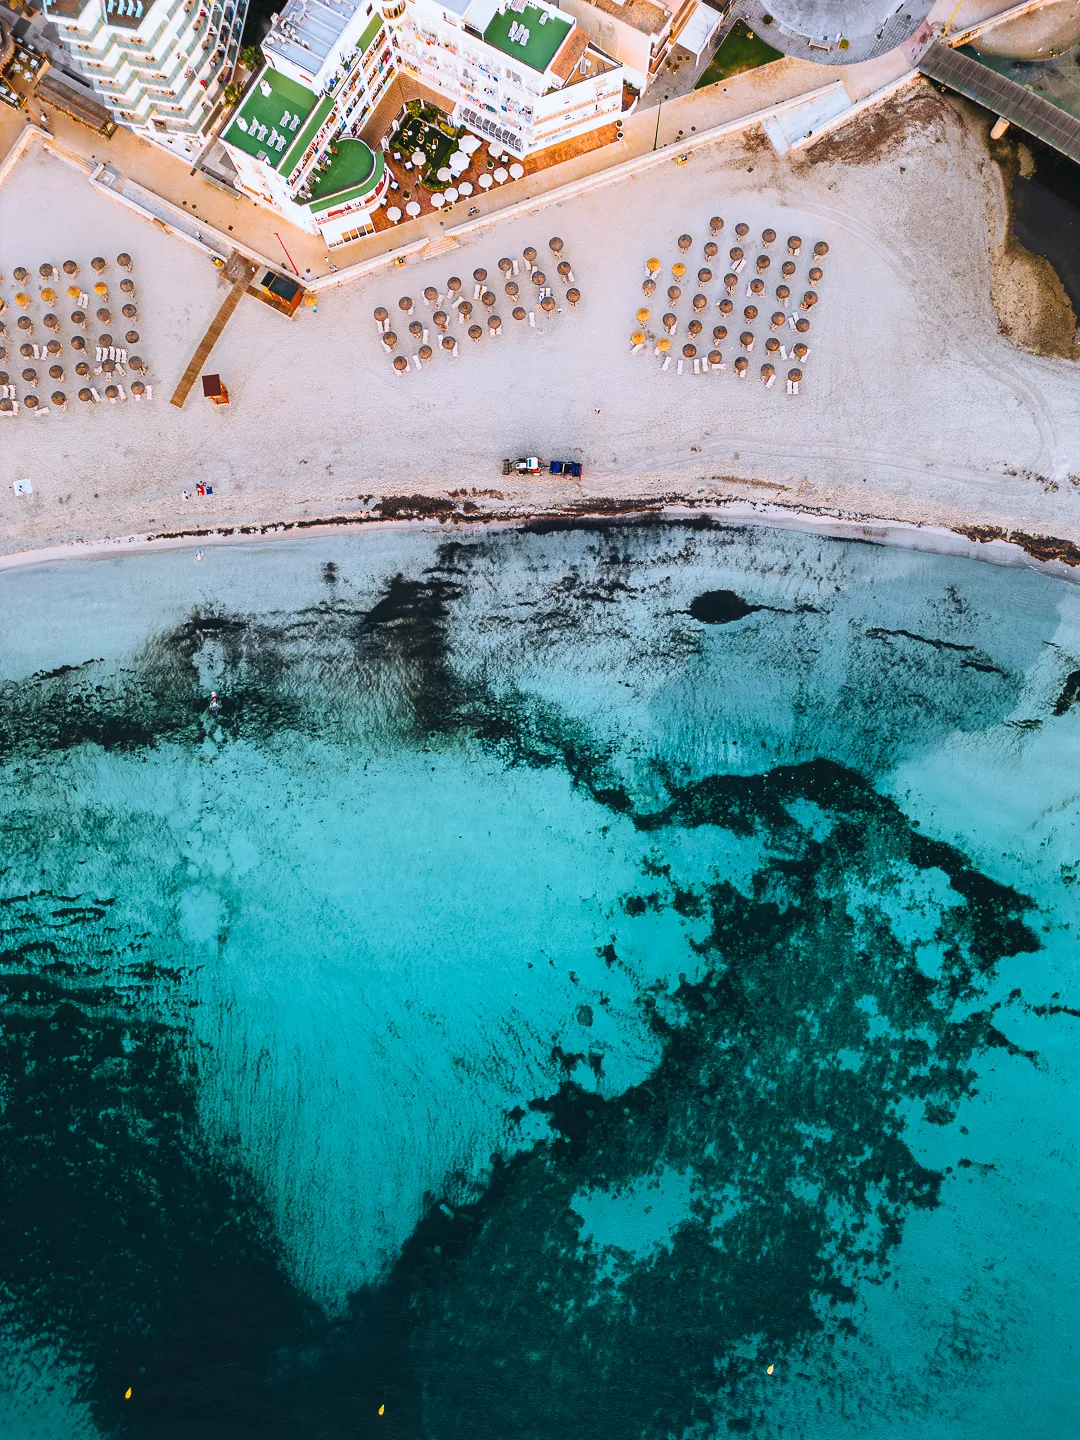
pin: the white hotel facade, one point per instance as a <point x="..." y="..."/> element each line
<point x="160" y="66"/>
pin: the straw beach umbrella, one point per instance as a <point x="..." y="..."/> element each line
<point x="99" y="264"/>
<point x="555" y="245"/>
<point x="511" y="289"/>
<point x="21" y="274"/>
<point x="678" y="270"/>
<point x="715" y="225"/>
<point x="405" y="304"/>
<point x="809" y="300"/>
<point x="71" y="268"/>
<point x="689" y="352"/>
<point x="425" y="353"/>
<point x="476" y="333"/>
<point x="548" y="305"/>
<point x="112" y="393"/>
<point x="762" y="264"/>
<point x="719" y="334"/>
<point x="573" y="296"/>
<point x="48" y="295"/>
<point x="73" y="292"/>
<point x="518" y="313"/>
<point x="54" y="348"/>
<point x="416" y="330"/>
<point x="800" y="351"/>
<point x="506" y="265"/>
<point x="22" y="300"/>
<point x="637" y="339"/>
<point x="25" y="324"/>
<point x="87" y="396"/>
<point x="742" y="365"/>
<point x="479" y="275"/>
<point x="794" y="244"/>
<point x="449" y="344"/>
<point x="440" y="320"/>
<point x="704" y="276"/>
<point x="564" y="271"/>
<point x="382" y="315"/>
<point x="78" y="343"/>
<point x="487" y="299"/>
<point x="529" y="254"/>
<point x="735" y="254"/>
<point x="772" y="345"/>
<point x="731" y="282"/>
<point x="124" y="260"/>
<point x="26" y="351"/>
<point x="59" y="399"/>
<point x="783" y="294"/>
<point x="82" y="369"/>
<point x="653" y="266"/>
<point x="104" y="315"/>
<point x="670" y="323"/>
<point x="663" y="345"/>
<point x="465" y="309"/>
<point x="767" y="237"/>
<point x="539" y="279"/>
<point x="47" y="271"/>
<point x="30" y="375"/>
<point x="821" y="249"/>
<point x="815" y="274"/>
<point x="648" y="287"/>
<point x="750" y="313"/>
<point x="757" y="289"/>
<point x="802" y="325"/>
<point x="138" y="364"/>
<point x="674" y="294"/>
<point x="431" y="295"/>
<point x="778" y="321"/>
<point x="788" y="268"/>
<point x="685" y="242"/>
<point x="129" y="312"/>
<point x="389" y="340"/>
<point x="700" y="302"/>
<point x="101" y="290"/>
<point x="746" y="340"/>
<point x="494" y="324"/>
<point x="711" y="250"/>
<point x="694" y="329"/>
<point x="453" y="285"/>
<point x="725" y="307"/>
<point x="400" y="364"/>
<point x="715" y="359"/>
<point x="32" y="402"/>
<point x="768" y="374"/>
<point x="742" y="230"/>
<point x="795" y="375"/>
<point x="642" y="316"/>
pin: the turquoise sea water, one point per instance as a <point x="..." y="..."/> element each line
<point x="583" y="984"/>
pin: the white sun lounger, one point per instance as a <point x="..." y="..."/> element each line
<point x="149" y="392"/>
<point x="94" y="393"/>
<point x="418" y="362"/>
<point x="679" y="368"/>
<point x="635" y="348"/>
<point x="770" y="382"/>
<point x="123" y="392"/>
<point x="667" y="362"/>
<point x="478" y="290"/>
<point x="532" y="319"/>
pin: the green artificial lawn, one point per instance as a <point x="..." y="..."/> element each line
<point x="741" y="50"/>
<point x="414" y="133"/>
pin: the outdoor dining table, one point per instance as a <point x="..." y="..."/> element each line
<point x="485" y="182"/>
<point x="465" y="188"/>
<point x="444" y="174"/>
<point x="501" y="176"/>
<point x="451" y="195"/>
<point x="393" y="214"/>
<point x="413" y="208"/>
<point x="438" y="199"/>
<point x="517" y="171"/>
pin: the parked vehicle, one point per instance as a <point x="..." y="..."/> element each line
<point x="527" y="465"/>
<point x="572" y="468"/>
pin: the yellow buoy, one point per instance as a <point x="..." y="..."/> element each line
<point x="127" y="1393"/>
<point x="382" y="1409"/>
<point x="653" y="265"/>
<point x="769" y="1370"/>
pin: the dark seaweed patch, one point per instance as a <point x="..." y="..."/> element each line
<point x="1070" y="693"/>
<point x="721" y="607"/>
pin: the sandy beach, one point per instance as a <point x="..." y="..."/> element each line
<point x="914" y="407"/>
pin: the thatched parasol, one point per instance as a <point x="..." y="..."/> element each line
<point x="821" y="249"/>
<point x="719" y="333"/>
<point x="101" y="290"/>
<point x="124" y="260"/>
<point x="78" y="343"/>
<point x="487" y="299"/>
<point x="494" y="324"/>
<point x="772" y="345"/>
<point x="795" y="375"/>
<point x="809" y="300"/>
<point x="800" y="351"/>
<point x="573" y="295"/>
<point x="539" y="279"/>
<point x="746" y="340"/>
<point x="653" y="266"/>
<point x="30" y="375"/>
<point x="138" y="364"/>
<point x="26" y="351"/>
<point x="511" y="288"/>
<point x="757" y="288"/>
<point x="742" y="230"/>
<point x="767" y="237"/>
<point x="138" y="388"/>
<point x="788" y="268"/>
<point x="700" y="302"/>
<point x="56" y="372"/>
<point x="637" y="337"/>
<point x="48" y="295"/>
<point x="711" y="250"/>
<point x="685" y="242"/>
<point x="479" y="275"/>
<point x="405" y="304"/>
<point x="670" y="322"/>
<point x="425" y="353"/>
<point x="816" y="274"/>
<point x="51" y="322"/>
<point x="735" y="254"/>
<point x="476" y="333"/>
<point x="689" y="352"/>
<point x="82" y="369"/>
<point x="6" y="407"/>
<point x="802" y="325"/>
<point x="416" y="330"/>
<point x="22" y="299"/>
<point x="59" y="399"/>
<point x="518" y="313"/>
<point x="794" y="244"/>
<point x="109" y="366"/>
<point x="694" y="329"/>
<point x="704" y="276"/>
<point x="674" y="294"/>
<point x="725" y="307"/>
<point x="762" y="264"/>
<point x="783" y="293"/>
<point x="547" y="304"/>
<point x="715" y="225"/>
<point x="715" y="358"/>
<point x="431" y="295"/>
<point x="381" y="315"/>
<point x="32" y="402"/>
<point x="54" y="348"/>
<point x="778" y="321"/>
<point x="555" y="245"/>
<point x="750" y="313"/>
<point x="87" y="396"/>
<point x="642" y="316"/>
<point x="563" y="269"/>
<point x="71" y="268"/>
<point x="104" y="340"/>
<point x="104" y="315"/>
<point x="389" y="339"/>
<point x="465" y="309"/>
<point x="25" y="324"/>
<point x="131" y="337"/>
<point x="453" y="284"/>
<point x="440" y="319"/>
<point x="731" y="282"/>
<point x="506" y="265"/>
<point x="46" y="271"/>
<point x="663" y="345"/>
<point x="21" y="274"/>
<point x="742" y="365"/>
<point x="400" y="364"/>
<point x="73" y="292"/>
<point x="99" y="264"/>
<point x="448" y="342"/>
<point x="529" y="254"/>
<point x="112" y="392"/>
<point x="768" y="371"/>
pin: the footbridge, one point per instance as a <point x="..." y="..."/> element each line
<point x="1013" y="102"/>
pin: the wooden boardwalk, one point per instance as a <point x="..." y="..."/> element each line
<point x="241" y="271"/>
<point x="1004" y="97"/>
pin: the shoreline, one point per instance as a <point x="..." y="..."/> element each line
<point x="988" y="544"/>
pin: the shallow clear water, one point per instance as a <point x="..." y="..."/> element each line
<point x="607" y="982"/>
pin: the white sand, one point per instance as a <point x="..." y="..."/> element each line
<point x="913" y="407"/>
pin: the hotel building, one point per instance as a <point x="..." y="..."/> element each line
<point x="641" y="34"/>
<point x="160" y="66"/>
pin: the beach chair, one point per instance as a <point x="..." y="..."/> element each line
<point x="123" y="392"/>
<point x="418" y="362"/>
<point x="94" y="393"/>
<point x="666" y="364"/>
<point x="478" y="290"/>
<point x="149" y="392"/>
<point x="770" y="382"/>
<point x="679" y="368"/>
<point x="42" y="410"/>
<point x="794" y="387"/>
<point x="635" y="348"/>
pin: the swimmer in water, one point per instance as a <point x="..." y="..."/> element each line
<point x="215" y="703"/>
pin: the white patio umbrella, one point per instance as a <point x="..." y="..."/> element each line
<point x="501" y="176"/>
<point x="413" y="208"/>
<point x="470" y="144"/>
<point x="444" y="174"/>
<point x="459" y="161"/>
<point x="465" y="188"/>
<point x="517" y="170"/>
<point x="451" y="195"/>
<point x="486" y="181"/>
<point x="418" y="157"/>
<point x="438" y="199"/>
<point x="393" y="214"/>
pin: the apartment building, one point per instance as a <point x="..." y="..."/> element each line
<point x="294" y="141"/>
<point x="519" y="72"/>
<point x="160" y="66"/>
<point x="640" y="34"/>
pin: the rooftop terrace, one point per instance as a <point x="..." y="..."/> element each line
<point x="354" y="171"/>
<point x="273" y="118"/>
<point x="544" y="31"/>
<point x="308" y="30"/>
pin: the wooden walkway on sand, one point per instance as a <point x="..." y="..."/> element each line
<point x="241" y="271"/>
<point x="1004" y="97"/>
